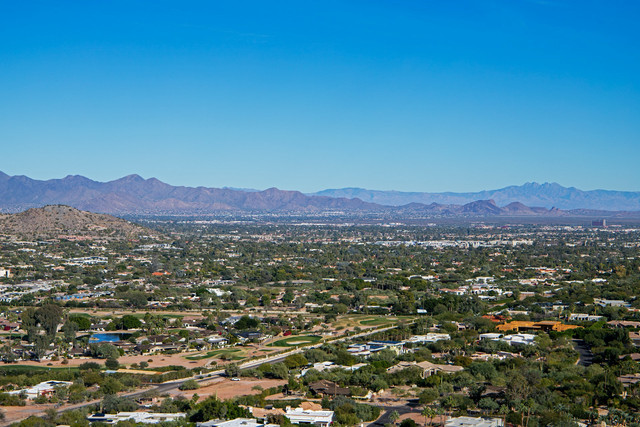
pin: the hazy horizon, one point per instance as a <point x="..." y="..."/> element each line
<point x="232" y="187"/>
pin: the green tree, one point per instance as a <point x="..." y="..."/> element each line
<point x="111" y="386"/>
<point x="428" y="413"/>
<point x="408" y="422"/>
<point x="280" y="370"/>
<point x="130" y="322"/>
<point x="83" y="322"/>
<point x="231" y="370"/>
<point x="111" y="364"/>
<point x="107" y="351"/>
<point x="69" y="330"/>
<point x="189" y="385"/>
<point x="49" y="316"/>
<point x="295" y="361"/>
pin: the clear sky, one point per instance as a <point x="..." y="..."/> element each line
<point x="409" y="95"/>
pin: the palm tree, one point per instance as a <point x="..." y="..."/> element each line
<point x="440" y="411"/>
<point x="428" y="412"/>
<point x="394" y="416"/>
<point x="504" y="410"/>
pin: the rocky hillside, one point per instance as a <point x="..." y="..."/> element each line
<point x="59" y="220"/>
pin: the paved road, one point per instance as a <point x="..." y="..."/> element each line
<point x="174" y="384"/>
<point x="586" y="356"/>
<point x="385" y="418"/>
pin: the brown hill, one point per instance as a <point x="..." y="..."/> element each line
<point x="58" y="220"/>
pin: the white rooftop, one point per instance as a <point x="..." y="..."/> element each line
<point x="238" y="422"/>
<point x="473" y="422"/>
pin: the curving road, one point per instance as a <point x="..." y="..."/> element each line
<point x="174" y="384"/>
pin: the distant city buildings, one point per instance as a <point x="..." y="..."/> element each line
<point x="599" y="223"/>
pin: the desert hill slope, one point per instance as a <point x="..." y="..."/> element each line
<point x="59" y="220"/>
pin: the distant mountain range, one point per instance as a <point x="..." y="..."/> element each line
<point x="135" y="195"/>
<point x="548" y="195"/>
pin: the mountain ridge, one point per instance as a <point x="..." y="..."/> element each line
<point x="546" y="195"/>
<point x="133" y="194"/>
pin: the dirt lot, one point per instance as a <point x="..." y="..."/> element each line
<point x="419" y="419"/>
<point x="158" y="360"/>
<point x="224" y="388"/>
<point x="13" y="413"/>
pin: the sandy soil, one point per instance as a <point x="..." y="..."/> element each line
<point x="419" y="419"/>
<point x="224" y="388"/>
<point x="158" y="360"/>
<point x="13" y="413"/>
<point x="155" y="361"/>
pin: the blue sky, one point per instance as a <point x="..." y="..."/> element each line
<point x="307" y="95"/>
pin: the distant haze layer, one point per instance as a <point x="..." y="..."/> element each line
<point x="546" y="195"/>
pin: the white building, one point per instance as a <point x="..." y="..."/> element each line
<point x="218" y="341"/>
<point x="326" y="366"/>
<point x="610" y="303"/>
<point x="43" y="389"/>
<point x="306" y="416"/>
<point x="238" y="422"/>
<point x="490" y="336"/>
<point x="582" y="317"/>
<point x="429" y="338"/>
<point x="136" y="417"/>
<point x="525" y="339"/>
<point x="473" y="422"/>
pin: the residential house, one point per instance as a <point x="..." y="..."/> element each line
<point x="308" y="416"/>
<point x="473" y="422"/>
<point x="328" y="388"/>
<point x="431" y="337"/>
<point x="610" y="303"/>
<point x="582" y="317"/>
<point x="238" y="422"/>
<point x="46" y="388"/>
<point x="136" y="417"/>
<point x="623" y="324"/>
<point x="427" y="368"/>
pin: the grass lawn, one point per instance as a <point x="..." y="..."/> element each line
<point x="223" y="351"/>
<point x="377" y="321"/>
<point x="296" y="340"/>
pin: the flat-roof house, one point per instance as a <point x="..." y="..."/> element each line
<point x="473" y="422"/>
<point x="238" y="422"/>
<point x="136" y="417"/>
<point x="45" y="388"/>
<point x="307" y="416"/>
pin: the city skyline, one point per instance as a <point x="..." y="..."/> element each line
<point x="309" y="96"/>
